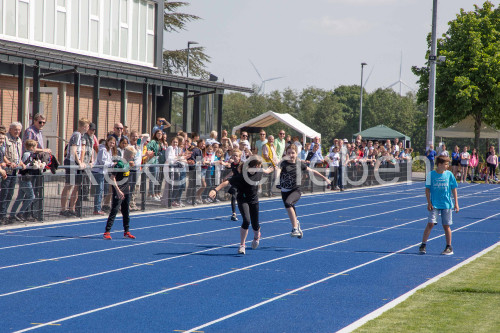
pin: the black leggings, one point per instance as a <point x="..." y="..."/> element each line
<point x="291" y="198"/>
<point x="117" y="204"/>
<point x="250" y="213"/>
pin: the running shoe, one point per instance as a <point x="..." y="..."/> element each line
<point x="421" y="249"/>
<point x="233" y="217"/>
<point x="447" y="251"/>
<point x="241" y="250"/>
<point x="107" y="235"/>
<point x="255" y="242"/>
<point x="295" y="232"/>
<point x="128" y="235"/>
<point x="300" y="230"/>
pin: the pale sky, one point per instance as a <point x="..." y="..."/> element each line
<point x="319" y="43"/>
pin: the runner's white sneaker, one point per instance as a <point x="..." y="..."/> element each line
<point x="255" y="242"/>
<point x="241" y="250"/>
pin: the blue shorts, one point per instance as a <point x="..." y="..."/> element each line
<point x="446" y="218"/>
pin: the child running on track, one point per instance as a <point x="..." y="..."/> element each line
<point x="121" y="193"/>
<point x="247" y="197"/>
<point x="233" y="164"/>
<point x="289" y="184"/>
<point x="440" y="185"/>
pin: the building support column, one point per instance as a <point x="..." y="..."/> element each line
<point x="123" y="102"/>
<point x="145" y="95"/>
<point x="76" y="103"/>
<point x="220" y="98"/>
<point x="95" y="101"/>
<point x="36" y="88"/>
<point x="21" y="91"/>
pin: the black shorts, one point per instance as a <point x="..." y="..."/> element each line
<point x="73" y="175"/>
<point x="455" y="162"/>
<point x="290" y="198"/>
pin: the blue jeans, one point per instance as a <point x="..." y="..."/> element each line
<point x="7" y="191"/>
<point x="26" y="195"/>
<point x="99" y="190"/>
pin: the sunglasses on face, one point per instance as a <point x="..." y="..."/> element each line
<point x="245" y="136"/>
<point x="119" y="128"/>
<point x="42" y="122"/>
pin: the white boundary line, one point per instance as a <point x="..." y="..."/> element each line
<point x="256" y="265"/>
<point x="174" y="211"/>
<point x="344" y="272"/>
<point x="193" y="221"/>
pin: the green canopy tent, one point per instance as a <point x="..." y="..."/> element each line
<point x="382" y="132"/>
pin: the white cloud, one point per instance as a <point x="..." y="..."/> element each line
<point x="337" y="27"/>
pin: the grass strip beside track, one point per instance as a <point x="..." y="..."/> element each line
<point x="466" y="300"/>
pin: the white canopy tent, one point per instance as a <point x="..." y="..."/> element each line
<point x="270" y="117"/>
<point x="465" y="129"/>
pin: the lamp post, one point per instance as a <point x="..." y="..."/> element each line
<point x="432" y="78"/>
<point x="361" y="97"/>
<point x="187" y="63"/>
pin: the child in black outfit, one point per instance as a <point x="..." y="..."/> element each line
<point x="246" y="181"/>
<point x="289" y="184"/>
<point x="234" y="165"/>
<point x="121" y="193"/>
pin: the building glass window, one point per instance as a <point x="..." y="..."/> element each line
<point x="10" y="18"/>
<point x="75" y="24"/>
<point x="84" y="26"/>
<point x="106" y="27"/>
<point x="23" y="19"/>
<point x="135" y="31"/>
<point x="49" y="21"/>
<point x="115" y="28"/>
<point x="1" y="16"/>
<point x="61" y="23"/>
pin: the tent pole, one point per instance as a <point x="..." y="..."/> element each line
<point x="304" y="140"/>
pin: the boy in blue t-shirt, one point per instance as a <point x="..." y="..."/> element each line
<point x="440" y="185"/>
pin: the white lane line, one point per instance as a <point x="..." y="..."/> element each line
<point x="177" y="237"/>
<point x="325" y="279"/>
<point x="220" y="247"/>
<point x="91" y="220"/>
<point x="374" y="314"/>
<point x="253" y="266"/>
<point x="188" y="220"/>
<point x="197" y="252"/>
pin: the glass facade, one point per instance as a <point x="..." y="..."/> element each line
<point x="122" y="30"/>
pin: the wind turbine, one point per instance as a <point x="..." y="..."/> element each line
<point x="401" y="82"/>
<point x="262" y="86"/>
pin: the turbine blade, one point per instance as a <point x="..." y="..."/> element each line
<point x="256" y="70"/>
<point x="274" y="78"/>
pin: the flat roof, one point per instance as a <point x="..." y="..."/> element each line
<point x="18" y="53"/>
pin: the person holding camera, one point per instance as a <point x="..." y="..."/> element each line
<point x="161" y="124"/>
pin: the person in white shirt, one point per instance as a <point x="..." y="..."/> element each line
<point x="334" y="167"/>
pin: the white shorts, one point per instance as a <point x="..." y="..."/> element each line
<point x="446" y="218"/>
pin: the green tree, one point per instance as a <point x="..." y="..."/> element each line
<point x="467" y="83"/>
<point x="175" y="61"/>
<point x="349" y="97"/>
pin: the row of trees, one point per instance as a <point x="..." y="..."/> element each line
<point x="468" y="84"/>
<point x="333" y="113"/>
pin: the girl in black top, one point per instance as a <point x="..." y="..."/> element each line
<point x="289" y="184"/>
<point x="246" y="181"/>
<point x="234" y="165"/>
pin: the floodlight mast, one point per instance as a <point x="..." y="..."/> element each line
<point x="361" y="97"/>
<point x="432" y="78"/>
<point x="187" y="62"/>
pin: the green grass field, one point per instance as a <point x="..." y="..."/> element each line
<point x="467" y="300"/>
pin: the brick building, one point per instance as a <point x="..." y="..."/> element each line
<point x="99" y="59"/>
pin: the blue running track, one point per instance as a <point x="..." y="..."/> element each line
<point x="183" y="273"/>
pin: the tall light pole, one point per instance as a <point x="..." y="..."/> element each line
<point x="432" y="79"/>
<point x="361" y="97"/>
<point x="187" y="62"/>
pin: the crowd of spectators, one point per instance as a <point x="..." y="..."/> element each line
<point x="176" y="164"/>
